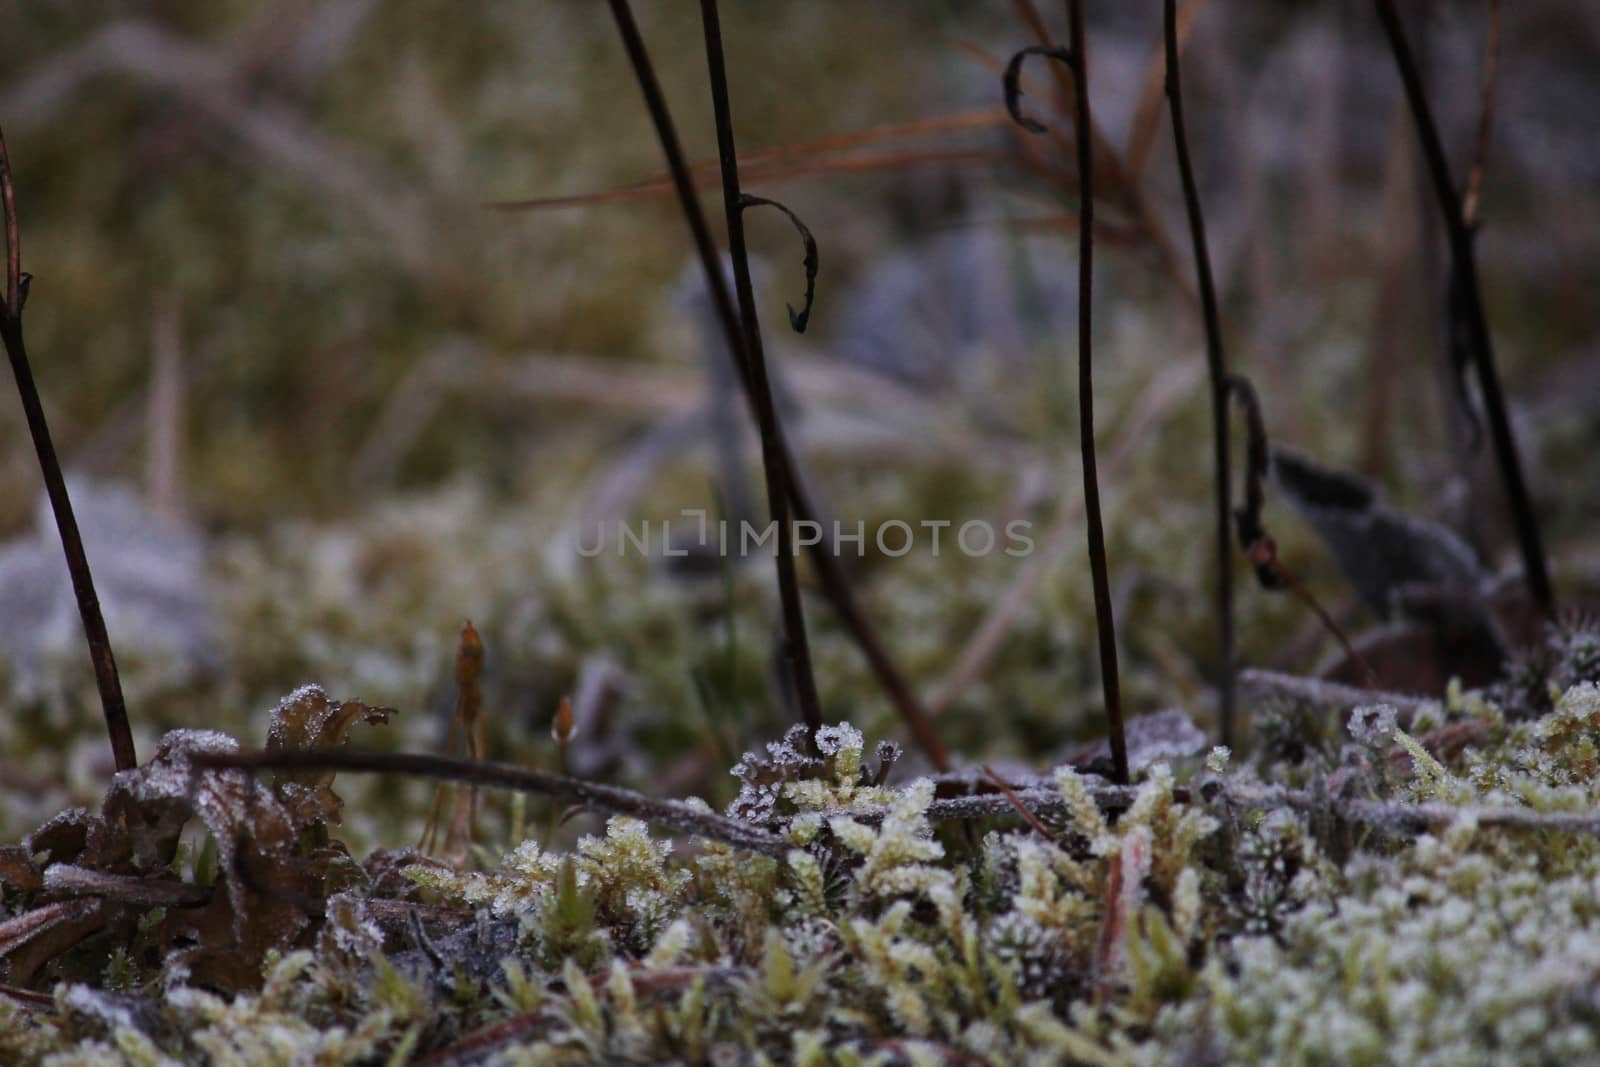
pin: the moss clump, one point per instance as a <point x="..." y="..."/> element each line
<point x="1201" y="913"/>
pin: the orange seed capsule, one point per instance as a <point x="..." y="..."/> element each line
<point x="469" y="655"/>
<point x="561" y="729"/>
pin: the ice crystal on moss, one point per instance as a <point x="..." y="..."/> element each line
<point x="898" y="855"/>
<point x="1373" y="725"/>
<point x="790" y="780"/>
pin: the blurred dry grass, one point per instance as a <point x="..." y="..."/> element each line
<point x="297" y="188"/>
<point x="266" y="290"/>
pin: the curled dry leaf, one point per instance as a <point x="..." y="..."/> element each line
<point x="1380" y="551"/>
<point x="811" y="262"/>
<point x="304" y="721"/>
<point x="1399" y="565"/>
<point x="275" y="867"/>
<point x="1012" y="82"/>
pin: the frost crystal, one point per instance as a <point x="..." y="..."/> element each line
<point x="1373" y="725"/>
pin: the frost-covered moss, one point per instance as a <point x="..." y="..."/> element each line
<point x="1188" y="918"/>
<point x="1456" y="951"/>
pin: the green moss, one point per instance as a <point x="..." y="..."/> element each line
<point x="1136" y="934"/>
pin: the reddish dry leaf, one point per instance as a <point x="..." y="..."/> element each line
<point x="274" y="868"/>
<point x="18" y="870"/>
<point x="35" y="938"/>
<point x="307" y="719"/>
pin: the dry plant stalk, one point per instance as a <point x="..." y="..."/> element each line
<point x="1217" y="367"/>
<point x="466" y="732"/>
<point x="1109" y="679"/>
<point x="1480" y="151"/>
<point x="1073" y="57"/>
<point x="1467" y="306"/>
<point x="1170" y="387"/>
<point x="796" y="649"/>
<point x="673" y="814"/>
<point x="1022" y="809"/>
<point x="94" y="623"/>
<point x="830" y="576"/>
<point x="699" y="821"/>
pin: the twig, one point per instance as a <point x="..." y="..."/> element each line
<point x="1414" y="818"/>
<point x="834" y="585"/>
<point x="397" y="913"/>
<point x="94" y="624"/>
<point x="675" y="814"/>
<point x="419" y="936"/>
<point x="1074" y="58"/>
<point x="1109" y="680"/>
<point x="1123" y="186"/>
<point x="1468" y="305"/>
<point x="1392" y="815"/>
<point x="66" y="880"/>
<point x="1147" y="113"/>
<point x="1016" y="802"/>
<point x="1264" y="554"/>
<point x="30" y="941"/>
<point x="15" y="294"/>
<point x="17" y="932"/>
<point x="796" y="649"/>
<point x="777" y="168"/>
<point x="475" y="1046"/>
<point x="1217" y="366"/>
<point x="1258" y="685"/>
<point x="28" y="997"/>
<point x="1480" y="151"/>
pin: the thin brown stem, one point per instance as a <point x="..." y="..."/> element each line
<point x="1022" y="809"/>
<point x="28" y="998"/>
<point x="1258" y="545"/>
<point x="676" y="815"/>
<point x="796" y="648"/>
<point x="1480" y="148"/>
<point x="1468" y="305"/>
<point x="8" y="202"/>
<point x="835" y="587"/>
<point x="67" y="880"/>
<point x="1217" y="366"/>
<point x="1264" y="554"/>
<point x="1072" y="57"/>
<point x="1109" y="678"/>
<point x="1393" y="816"/>
<point x="94" y="624"/>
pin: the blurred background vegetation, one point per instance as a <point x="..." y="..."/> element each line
<point x="270" y="301"/>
